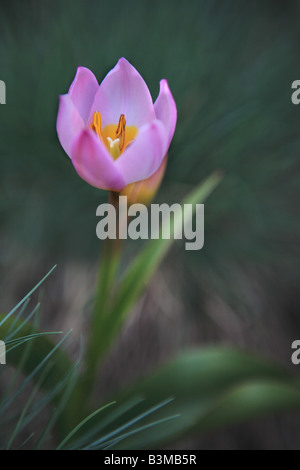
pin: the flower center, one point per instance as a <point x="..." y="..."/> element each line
<point x="116" y="138"/>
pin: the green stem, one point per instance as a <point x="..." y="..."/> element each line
<point x="109" y="265"/>
<point x="108" y="268"/>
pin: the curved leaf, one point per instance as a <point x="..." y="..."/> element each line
<point x="211" y="388"/>
<point x="41" y="347"/>
<point x="143" y="267"/>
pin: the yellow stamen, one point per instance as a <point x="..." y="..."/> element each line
<point x="96" y="125"/>
<point x="116" y="137"/>
<point x="120" y="132"/>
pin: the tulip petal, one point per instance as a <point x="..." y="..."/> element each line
<point x="144" y="191"/>
<point x="94" y="163"/>
<point x="123" y="91"/>
<point x="165" y="109"/>
<point x="144" y="156"/>
<point x="69" y="123"/>
<point x="83" y="91"/>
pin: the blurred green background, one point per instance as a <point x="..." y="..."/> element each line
<point x="230" y="66"/>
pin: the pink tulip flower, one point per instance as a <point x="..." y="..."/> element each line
<point x="112" y="132"/>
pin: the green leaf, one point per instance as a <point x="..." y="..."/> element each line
<point x="143" y="267"/>
<point x="42" y="346"/>
<point x="6" y="317"/>
<point x="82" y="423"/>
<point x="107" y="439"/>
<point x="109" y="316"/>
<point x="211" y="388"/>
